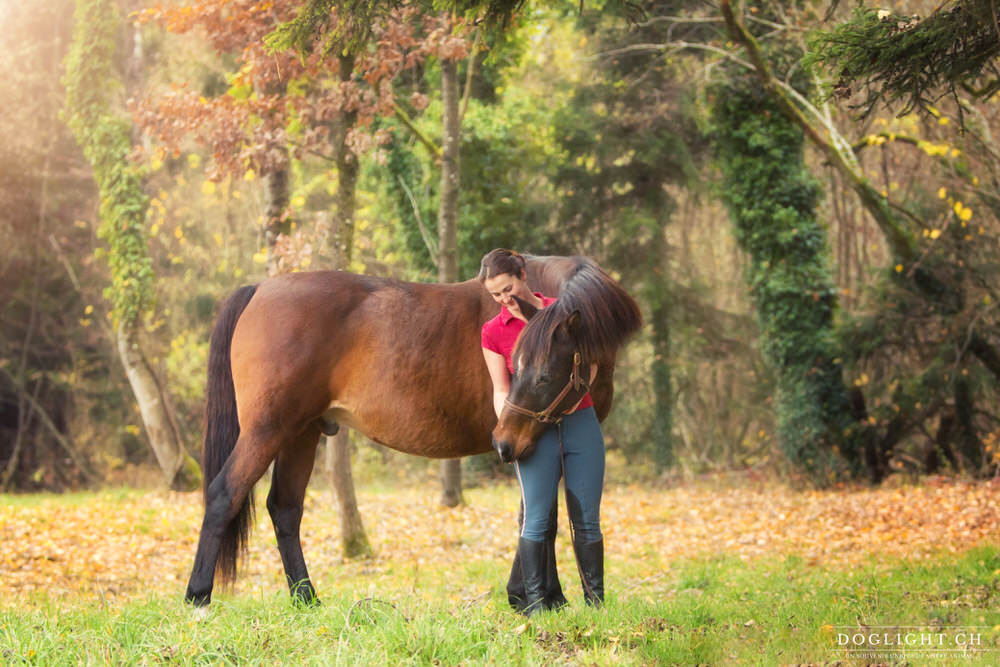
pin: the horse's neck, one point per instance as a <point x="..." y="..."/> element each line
<point x="547" y="274"/>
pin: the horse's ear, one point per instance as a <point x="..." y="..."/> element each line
<point x="527" y="309"/>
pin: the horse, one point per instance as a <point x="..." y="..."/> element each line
<point x="300" y="354"/>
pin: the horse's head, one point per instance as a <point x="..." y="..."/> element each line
<point x="550" y="377"/>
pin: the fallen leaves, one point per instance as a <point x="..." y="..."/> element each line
<point x="832" y="527"/>
<point x="136" y="544"/>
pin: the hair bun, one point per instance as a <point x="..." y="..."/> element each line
<point x="502" y="260"/>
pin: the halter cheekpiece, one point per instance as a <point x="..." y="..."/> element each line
<point x="546" y="416"/>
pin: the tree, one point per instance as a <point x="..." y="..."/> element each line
<point x="447" y="241"/>
<point x="626" y="134"/>
<point x="93" y="90"/>
<point x="934" y="280"/>
<point x="772" y="203"/>
<point x="448" y="43"/>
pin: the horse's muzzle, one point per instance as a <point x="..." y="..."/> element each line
<point x="504" y="450"/>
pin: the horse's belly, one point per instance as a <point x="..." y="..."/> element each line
<point x="433" y="434"/>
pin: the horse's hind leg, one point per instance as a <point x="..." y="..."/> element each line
<point x="292" y="469"/>
<point x="226" y="525"/>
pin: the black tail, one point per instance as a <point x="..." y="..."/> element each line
<point x="222" y="427"/>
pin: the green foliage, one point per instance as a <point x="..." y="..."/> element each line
<point x="185" y="363"/>
<point x="93" y="90"/>
<point x="911" y="59"/>
<point x="406" y="182"/>
<point x="502" y="201"/>
<point x="772" y="200"/>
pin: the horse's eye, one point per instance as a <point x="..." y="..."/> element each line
<point x="543" y="380"/>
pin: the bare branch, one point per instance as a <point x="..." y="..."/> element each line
<point x="679" y="19"/>
<point x="434" y="149"/>
<point x="424" y="234"/>
<point x="470" y="72"/>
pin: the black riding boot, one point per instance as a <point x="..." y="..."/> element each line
<point x="590" y="558"/>
<point x="554" y="598"/>
<point x="532" y="556"/>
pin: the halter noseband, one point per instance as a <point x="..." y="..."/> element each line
<point x="546" y="416"/>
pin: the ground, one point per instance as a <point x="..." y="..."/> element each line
<point x="126" y="544"/>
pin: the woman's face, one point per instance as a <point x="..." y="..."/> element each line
<point x="504" y="287"/>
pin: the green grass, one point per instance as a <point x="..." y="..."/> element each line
<point x="709" y="611"/>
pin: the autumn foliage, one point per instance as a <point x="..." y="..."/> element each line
<point x="280" y="100"/>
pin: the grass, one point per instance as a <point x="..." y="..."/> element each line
<point x="715" y="610"/>
<point x="734" y="575"/>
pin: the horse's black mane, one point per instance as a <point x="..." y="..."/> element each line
<point x="608" y="315"/>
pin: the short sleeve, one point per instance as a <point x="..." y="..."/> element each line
<point x="487" y="339"/>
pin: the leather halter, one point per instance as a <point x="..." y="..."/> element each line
<point x="546" y="416"/>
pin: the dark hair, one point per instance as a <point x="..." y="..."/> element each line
<point x="500" y="261"/>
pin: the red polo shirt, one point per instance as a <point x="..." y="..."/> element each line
<point x="500" y="335"/>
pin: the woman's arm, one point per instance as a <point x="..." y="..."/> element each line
<point x="497" y="366"/>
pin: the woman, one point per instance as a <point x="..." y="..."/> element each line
<point x="581" y="453"/>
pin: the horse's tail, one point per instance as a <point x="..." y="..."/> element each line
<point x="222" y="427"/>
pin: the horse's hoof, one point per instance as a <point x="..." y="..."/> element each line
<point x="306" y="602"/>
<point x="198" y="599"/>
<point x="199" y="614"/>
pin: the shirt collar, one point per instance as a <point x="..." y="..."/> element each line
<point x="506" y="316"/>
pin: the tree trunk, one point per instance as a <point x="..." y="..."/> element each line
<point x="659" y="297"/>
<point x="451" y="469"/>
<point x="661" y="431"/>
<point x="353" y="539"/>
<point x="347" y="177"/>
<point x="180" y="470"/>
<point x="275" y="223"/>
<point x="969" y="444"/>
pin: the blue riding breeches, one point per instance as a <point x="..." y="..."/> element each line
<point x="538" y="475"/>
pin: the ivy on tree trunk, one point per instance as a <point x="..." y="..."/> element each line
<point x="94" y="89"/>
<point x="772" y="200"/>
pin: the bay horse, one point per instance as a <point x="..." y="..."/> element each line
<point x="300" y="354"/>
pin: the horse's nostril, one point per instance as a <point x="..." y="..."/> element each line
<point x="504" y="451"/>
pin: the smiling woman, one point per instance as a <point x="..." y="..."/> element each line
<point x="555" y="370"/>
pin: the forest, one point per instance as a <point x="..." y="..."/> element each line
<point x="803" y="454"/>
<point x="803" y="198"/>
